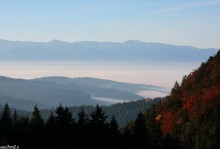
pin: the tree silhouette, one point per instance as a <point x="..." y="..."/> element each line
<point x="64" y="117"/>
<point x="52" y="133"/>
<point x="139" y="124"/>
<point x="98" y="116"/>
<point x="83" y="118"/>
<point x="113" y="133"/>
<point x="140" y="131"/>
<point x="6" y="120"/>
<point x="15" y="117"/>
<point x="98" y="127"/>
<point x="153" y="128"/>
<point x="65" y="123"/>
<point x="51" y="121"/>
<point x="36" y="119"/>
<point x="113" y="126"/>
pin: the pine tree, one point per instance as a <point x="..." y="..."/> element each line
<point x="59" y="114"/>
<point x="139" y="125"/>
<point x="68" y="116"/>
<point x="98" y="116"/>
<point x="175" y="88"/>
<point x="51" y="121"/>
<point x="6" y="120"/>
<point x="82" y="117"/>
<point x="15" y="118"/>
<point x="98" y="127"/>
<point x="153" y="128"/>
<point x="140" y="132"/>
<point x="65" y="126"/>
<point x="52" y="134"/>
<point x="113" y="126"/>
<point x="36" y="118"/>
<point x="114" y="132"/>
<point x="64" y="117"/>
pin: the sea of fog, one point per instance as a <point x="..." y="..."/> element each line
<point x="159" y="74"/>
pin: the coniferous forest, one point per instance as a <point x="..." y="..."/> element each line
<point x="91" y="130"/>
<point x="189" y="118"/>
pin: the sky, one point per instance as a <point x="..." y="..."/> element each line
<point x="188" y="22"/>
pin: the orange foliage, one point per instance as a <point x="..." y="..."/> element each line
<point x="158" y="118"/>
<point x="199" y="91"/>
<point x="167" y="122"/>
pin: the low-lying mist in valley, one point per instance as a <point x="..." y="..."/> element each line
<point x="163" y="75"/>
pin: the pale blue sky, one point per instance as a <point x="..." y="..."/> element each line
<point x="188" y="22"/>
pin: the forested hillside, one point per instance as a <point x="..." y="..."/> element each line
<point x="191" y="112"/>
<point x="123" y="112"/>
<point x="188" y="118"/>
<point x="49" y="92"/>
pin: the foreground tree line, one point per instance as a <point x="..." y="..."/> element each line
<point x="91" y="130"/>
<point x="61" y="130"/>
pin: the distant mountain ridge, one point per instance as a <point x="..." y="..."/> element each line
<point x="48" y="92"/>
<point x="101" y="51"/>
<point x="103" y="83"/>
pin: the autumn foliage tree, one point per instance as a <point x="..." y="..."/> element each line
<point x="183" y="114"/>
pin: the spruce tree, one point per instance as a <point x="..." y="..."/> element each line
<point x="139" y="125"/>
<point x="113" y="126"/>
<point x="98" y="128"/>
<point x="114" y="133"/>
<point x="15" y="118"/>
<point x="140" y="132"/>
<point x="59" y="114"/>
<point x="98" y="116"/>
<point x="82" y="117"/>
<point x="64" y="117"/>
<point x="36" y="118"/>
<point x="51" y="121"/>
<point x="6" y="120"/>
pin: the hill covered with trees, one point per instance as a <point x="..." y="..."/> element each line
<point x="123" y="112"/>
<point x="48" y="92"/>
<point x="191" y="112"/>
<point x="189" y="118"/>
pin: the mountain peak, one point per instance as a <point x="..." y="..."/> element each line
<point x="56" y="41"/>
<point x="134" y="42"/>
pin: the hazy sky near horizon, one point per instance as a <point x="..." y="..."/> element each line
<point x="188" y="22"/>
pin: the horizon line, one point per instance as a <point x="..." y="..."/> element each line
<point x="130" y="40"/>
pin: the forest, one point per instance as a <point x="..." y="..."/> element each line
<point x="62" y="130"/>
<point x="189" y="118"/>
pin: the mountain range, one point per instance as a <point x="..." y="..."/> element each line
<point x="101" y="51"/>
<point x="49" y="92"/>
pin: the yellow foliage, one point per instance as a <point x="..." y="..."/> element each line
<point x="158" y="117"/>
